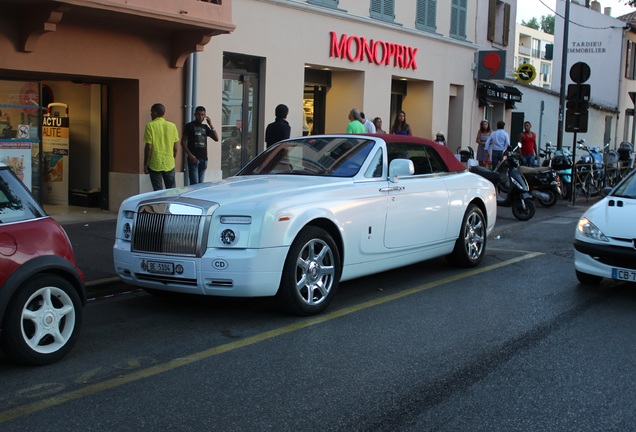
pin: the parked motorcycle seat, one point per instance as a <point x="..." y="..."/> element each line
<point x="533" y="170"/>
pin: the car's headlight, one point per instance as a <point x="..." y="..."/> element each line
<point x="588" y="229"/>
<point x="128" y="217"/>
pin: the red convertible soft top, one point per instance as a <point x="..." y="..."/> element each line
<point x="447" y="155"/>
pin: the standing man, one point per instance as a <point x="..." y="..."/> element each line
<point x="528" y="140"/>
<point x="368" y="124"/>
<point x="195" y="144"/>
<point x="499" y="140"/>
<point x="356" y="124"/>
<point x="161" y="138"/>
<point x="279" y="129"/>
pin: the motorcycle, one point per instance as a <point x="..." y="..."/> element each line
<point x="561" y="163"/>
<point x="508" y="180"/>
<point x="545" y="184"/>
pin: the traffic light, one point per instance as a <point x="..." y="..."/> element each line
<point x="578" y="102"/>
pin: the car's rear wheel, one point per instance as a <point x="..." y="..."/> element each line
<point x="42" y="321"/>
<point x="311" y="273"/>
<point x="470" y="246"/>
<point x="588" y="279"/>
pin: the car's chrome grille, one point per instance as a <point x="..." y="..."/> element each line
<point x="166" y="233"/>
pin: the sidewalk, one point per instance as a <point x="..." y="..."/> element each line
<point x="92" y="234"/>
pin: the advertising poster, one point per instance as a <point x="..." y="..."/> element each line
<point x="17" y="155"/>
<point x="55" y="145"/>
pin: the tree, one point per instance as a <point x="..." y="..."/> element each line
<point x="547" y="23"/>
<point x="533" y="23"/>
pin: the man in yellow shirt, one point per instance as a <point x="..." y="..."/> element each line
<point x="161" y="138"/>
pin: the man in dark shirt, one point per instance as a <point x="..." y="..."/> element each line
<point x="195" y="144"/>
<point x="279" y="129"/>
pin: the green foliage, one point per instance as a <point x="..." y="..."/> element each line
<point x="532" y="23"/>
<point x="547" y="23"/>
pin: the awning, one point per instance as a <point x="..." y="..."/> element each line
<point x="489" y="91"/>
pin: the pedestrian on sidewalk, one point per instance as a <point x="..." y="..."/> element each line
<point x="195" y="144"/>
<point x="161" y="138"/>
<point x="499" y="141"/>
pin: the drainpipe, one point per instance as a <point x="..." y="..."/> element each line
<point x="189" y="69"/>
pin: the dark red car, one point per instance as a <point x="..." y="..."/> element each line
<point x="42" y="291"/>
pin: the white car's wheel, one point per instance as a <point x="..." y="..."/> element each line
<point x="470" y="246"/>
<point x="311" y="273"/>
<point x="42" y="321"/>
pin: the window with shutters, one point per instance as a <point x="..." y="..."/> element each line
<point x="498" y="22"/>
<point x="630" y="58"/>
<point x="327" y="3"/>
<point x="458" y="19"/>
<point x="426" y="15"/>
<point x="383" y="10"/>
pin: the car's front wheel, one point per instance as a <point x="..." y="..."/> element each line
<point x="42" y="321"/>
<point x="311" y="273"/>
<point x="470" y="246"/>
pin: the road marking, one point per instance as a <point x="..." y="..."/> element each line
<point x="211" y="352"/>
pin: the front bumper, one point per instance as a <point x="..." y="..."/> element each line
<point x="219" y="272"/>
<point x="599" y="260"/>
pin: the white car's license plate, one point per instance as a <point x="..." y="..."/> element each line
<point x="160" y="267"/>
<point x="623" y="274"/>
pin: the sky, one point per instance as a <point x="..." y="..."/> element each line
<point x="526" y="9"/>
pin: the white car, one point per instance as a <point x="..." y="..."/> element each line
<point x="605" y="237"/>
<point x="305" y="214"/>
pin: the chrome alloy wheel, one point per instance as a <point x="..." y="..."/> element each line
<point x="315" y="271"/>
<point x="474" y="236"/>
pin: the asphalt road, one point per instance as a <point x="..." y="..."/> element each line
<point x="514" y="344"/>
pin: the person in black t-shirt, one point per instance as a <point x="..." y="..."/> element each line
<point x="279" y="129"/>
<point x="195" y="144"/>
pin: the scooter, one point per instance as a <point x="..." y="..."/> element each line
<point x="508" y="177"/>
<point x="545" y="184"/>
<point x="561" y="162"/>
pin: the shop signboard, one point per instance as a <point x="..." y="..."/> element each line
<point x="55" y="146"/>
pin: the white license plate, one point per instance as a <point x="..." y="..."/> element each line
<point x="623" y="274"/>
<point x="160" y="267"/>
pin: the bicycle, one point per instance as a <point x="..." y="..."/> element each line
<point x="588" y="172"/>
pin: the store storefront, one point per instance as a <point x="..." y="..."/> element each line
<point x="77" y="80"/>
<point x="344" y="60"/>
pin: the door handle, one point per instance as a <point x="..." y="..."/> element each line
<point x="392" y="189"/>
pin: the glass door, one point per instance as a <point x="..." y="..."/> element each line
<point x="239" y="140"/>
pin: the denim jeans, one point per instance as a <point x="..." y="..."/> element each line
<point x="196" y="171"/>
<point x="528" y="160"/>
<point x="497" y="156"/>
<point x="158" y="178"/>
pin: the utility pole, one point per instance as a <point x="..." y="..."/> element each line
<point x="564" y="71"/>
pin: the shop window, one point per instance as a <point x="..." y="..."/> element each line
<point x="426" y="15"/>
<point x="383" y="10"/>
<point x="458" y="19"/>
<point x="326" y="3"/>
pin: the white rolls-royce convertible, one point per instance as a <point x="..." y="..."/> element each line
<point x="304" y="215"/>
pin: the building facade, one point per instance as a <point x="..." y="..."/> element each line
<point x="99" y="65"/>
<point x="323" y="58"/>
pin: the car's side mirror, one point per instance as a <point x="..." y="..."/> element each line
<point x="400" y="167"/>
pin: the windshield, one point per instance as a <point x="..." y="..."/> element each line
<point x="324" y="156"/>
<point x="627" y="189"/>
<point x="16" y="204"/>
